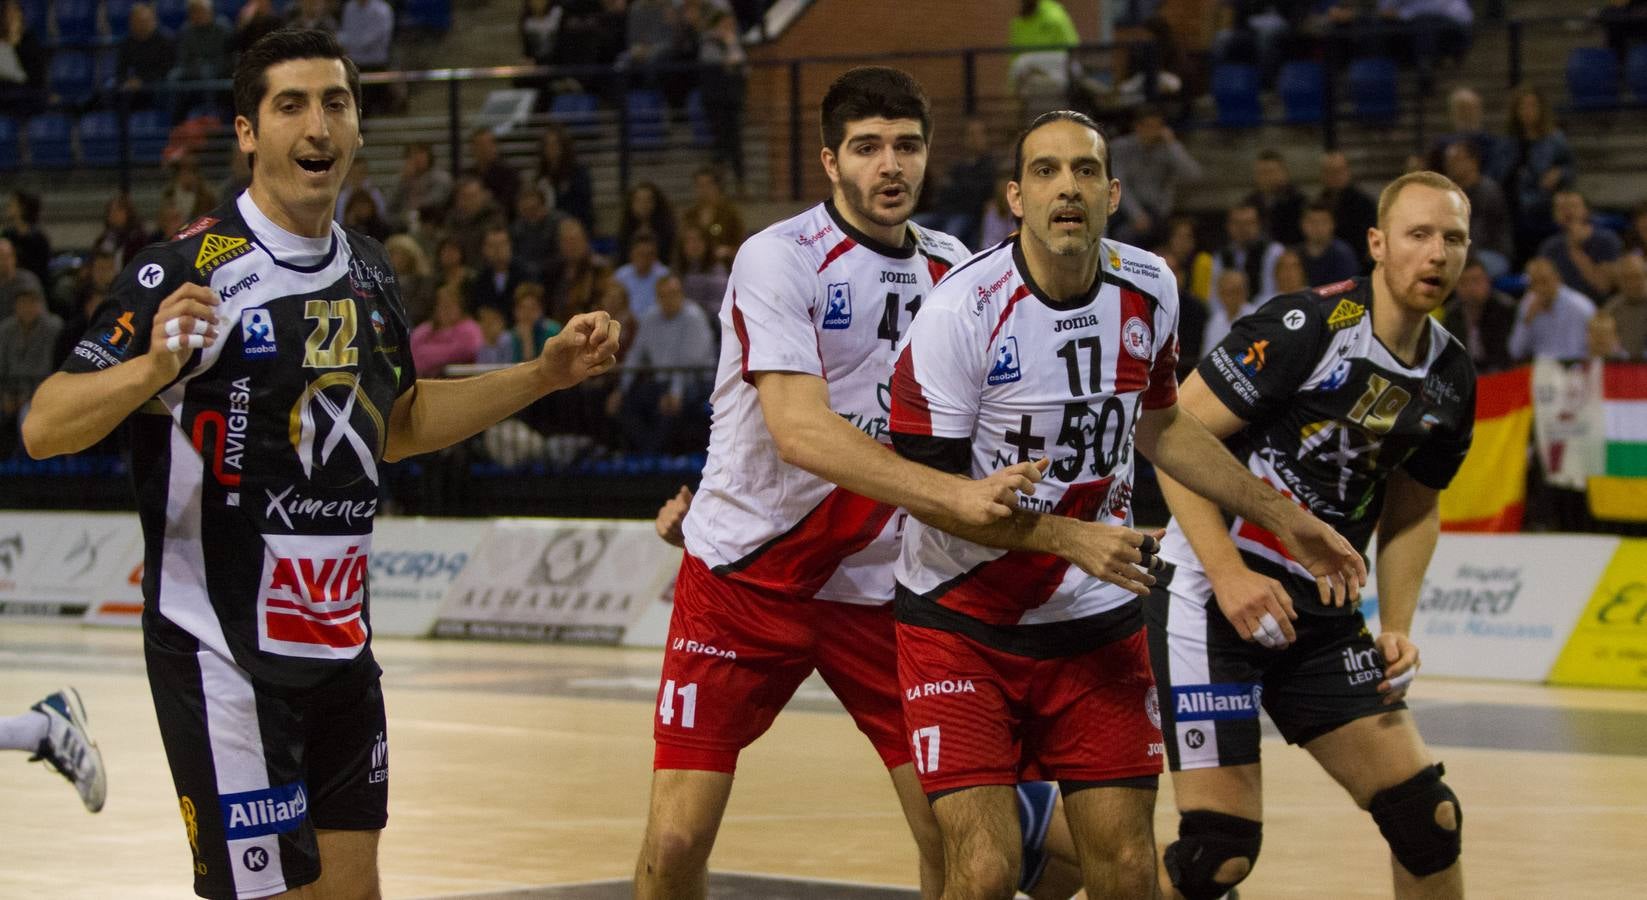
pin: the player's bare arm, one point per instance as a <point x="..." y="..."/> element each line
<point x="1179" y="444"/>
<point x="439" y="413"/>
<point x="1114" y="553"/>
<point x="74" y="410"/>
<point x="1407" y="532"/>
<point x="811" y="436"/>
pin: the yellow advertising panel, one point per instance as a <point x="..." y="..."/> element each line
<point x="1608" y="647"/>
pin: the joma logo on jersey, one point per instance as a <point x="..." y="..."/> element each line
<point x="938" y="688"/>
<point x="1073" y="323"/>
<point x="324" y="580"/>
<point x="838" y="311"/>
<point x="1211" y="702"/>
<point x="1005" y="368"/>
<point x="274" y="810"/>
<point x="215" y="250"/>
<point x="257" y="334"/>
<point x="898" y="278"/>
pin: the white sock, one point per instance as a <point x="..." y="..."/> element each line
<point x="24" y="732"/>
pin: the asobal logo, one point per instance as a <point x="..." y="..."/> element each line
<point x="274" y="810"/>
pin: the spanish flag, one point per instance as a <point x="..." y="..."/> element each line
<point x="1621" y="494"/>
<point x="1489" y="493"/>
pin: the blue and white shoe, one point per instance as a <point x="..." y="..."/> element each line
<point x="69" y="749"/>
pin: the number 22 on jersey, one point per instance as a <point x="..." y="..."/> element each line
<point x="339" y="352"/>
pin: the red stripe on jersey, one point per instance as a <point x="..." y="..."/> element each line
<point x="910" y="412"/>
<point x="296" y="629"/>
<point x="311" y="612"/>
<point x="1131" y="372"/>
<point x="1019" y="294"/>
<point x="1002" y="590"/>
<point x="1263" y="538"/>
<point x="936" y="268"/>
<point x="1163" y="378"/>
<point x="742" y="331"/>
<point x="801" y="559"/>
<point x="835" y="253"/>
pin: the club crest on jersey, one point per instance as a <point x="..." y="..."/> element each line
<point x="1252" y="362"/>
<point x="1006" y="363"/>
<point x="1135" y="337"/>
<point x="1346" y="313"/>
<point x="257" y="335"/>
<point x="1337" y="377"/>
<point x="215" y="250"/>
<point x="838" y="312"/>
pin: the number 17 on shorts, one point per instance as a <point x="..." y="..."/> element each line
<point x="924" y="741"/>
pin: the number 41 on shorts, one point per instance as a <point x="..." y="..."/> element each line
<point x="689" y="703"/>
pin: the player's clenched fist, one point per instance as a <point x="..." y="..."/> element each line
<point x="185" y="322"/>
<point x="1118" y="555"/>
<point x="993" y="497"/>
<point x="587" y="347"/>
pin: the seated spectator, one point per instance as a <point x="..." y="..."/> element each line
<point x="1601" y="338"/>
<point x="255" y="19"/>
<point x="493" y="170"/>
<point x="1582" y="251"/>
<point x="674" y="335"/>
<point x="27" y="238"/>
<point x="473" y="213"/>
<point x="1635" y="237"/>
<point x="540" y="30"/>
<point x="362" y="215"/>
<point x="1257" y="32"/>
<point x="239" y="178"/>
<point x="532" y="325"/>
<point x="145" y="57"/>
<point x="187" y="191"/>
<point x="497" y="347"/>
<point x="311" y="14"/>
<point x="1182" y="248"/>
<point x="450" y="337"/>
<point x="581" y="275"/>
<point x="723" y="82"/>
<point x="168" y="220"/>
<point x="646" y="209"/>
<point x="1153" y="165"/>
<point x="1278" y="202"/>
<point x="1232" y="299"/>
<point x="364" y="32"/>
<point x="614" y="301"/>
<point x="1481" y="318"/>
<point x="1628" y="307"/>
<point x="1533" y="165"/>
<point x="413" y="275"/>
<point x="1247" y="251"/>
<point x="715" y="213"/>
<point x="1354" y="211"/>
<point x="422" y="186"/>
<point x="1625" y="23"/>
<point x="565" y="182"/>
<point x="1552" y="319"/>
<point x="703" y="277"/>
<point x="498" y="275"/>
<point x="14" y="279"/>
<point x="1434" y="29"/>
<point x="998" y="222"/>
<point x="649" y="35"/>
<point x="28" y="341"/>
<point x="1041" y="32"/>
<point x="22" y="62"/>
<point x="78" y="322"/>
<point x="452" y="266"/>
<point x="591" y="33"/>
<point x="96" y="276"/>
<point x="1326" y="259"/>
<point x="204" y="49"/>
<point x="965" y="188"/>
<point x="641" y="274"/>
<point x="123" y="234"/>
<point x="359" y="181"/>
<point x="1464" y="116"/>
<point x="1289" y="274"/>
<point x="535" y="233"/>
<point x="1490" y="226"/>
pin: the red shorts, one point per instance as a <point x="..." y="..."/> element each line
<point x="736" y="654"/>
<point x="980" y="716"/>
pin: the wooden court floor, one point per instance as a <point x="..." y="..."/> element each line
<point x="518" y="767"/>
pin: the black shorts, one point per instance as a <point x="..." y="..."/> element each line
<point x="1213" y="683"/>
<point x="258" y="769"/>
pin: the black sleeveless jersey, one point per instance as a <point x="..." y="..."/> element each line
<point x="258" y="469"/>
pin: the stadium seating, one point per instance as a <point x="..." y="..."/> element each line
<point x="578" y="112"/>
<point x="34" y="16"/>
<point x="1592" y="78"/>
<point x="1235" y="91"/>
<point x="100" y="138"/>
<point x="76" y="22"/>
<point x="172" y="14"/>
<point x="1302" y="85"/>
<point x="1374" y="89"/>
<point x="702" y="134"/>
<point x="71" y="76"/>
<point x="149" y="132"/>
<point x="118" y="13"/>
<point x="9" y="157"/>
<point x="648" y="120"/>
<point x="50" y="142"/>
<point x="427" y="15"/>
<point x="1635" y="72"/>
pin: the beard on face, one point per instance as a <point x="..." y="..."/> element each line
<point x="862" y="203"/>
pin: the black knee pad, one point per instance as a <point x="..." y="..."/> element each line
<point x="1406" y="816"/>
<point x="1207" y="840"/>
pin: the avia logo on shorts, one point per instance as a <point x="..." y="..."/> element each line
<point x="274" y="810"/>
<point x="1361" y="666"/>
<point x="380" y="760"/>
<point x="1006" y="363"/>
<point x="688" y="646"/>
<point x="257" y="336"/>
<point x="838" y="314"/>
<point x="1215" y="702"/>
<point x="936" y="688"/>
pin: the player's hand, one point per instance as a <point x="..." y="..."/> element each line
<point x="672" y="516"/>
<point x="1119" y="555"/>
<point x="981" y="501"/>
<point x="587" y="347"/>
<point x="1257" y="606"/>
<point x="186" y="321"/>
<point x="1400" y="665"/>
<point x="1339" y="571"/>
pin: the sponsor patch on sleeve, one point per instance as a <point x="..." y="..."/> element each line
<point x="1346" y="313"/>
<point x="215" y="250"/>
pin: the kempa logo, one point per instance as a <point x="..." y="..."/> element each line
<point x="238" y="286"/>
<point x="317" y="404"/>
<point x="936" y="688"/>
<point x="215" y="250"/>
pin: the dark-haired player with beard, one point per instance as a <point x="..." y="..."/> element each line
<point x="261" y="357"/>
<point x="1353" y="400"/>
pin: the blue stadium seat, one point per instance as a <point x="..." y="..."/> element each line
<point x="118" y="14"/>
<point x="1302" y="85"/>
<point x="105" y="62"/>
<point x="9" y="157"/>
<point x="1235" y="90"/>
<point x="100" y="138"/>
<point x="648" y="120"/>
<point x="428" y="15"/>
<point x="71" y="76"/>
<point x="49" y="142"/>
<point x="34" y="17"/>
<point x="1592" y="78"/>
<point x="76" y="22"/>
<point x="1512" y="283"/>
<point x="172" y="14"/>
<point x="1374" y="89"/>
<point x="1635" y="72"/>
<point x="578" y="112"/>
<point x="702" y="134"/>
<point x="149" y="131"/>
<point x="226" y="9"/>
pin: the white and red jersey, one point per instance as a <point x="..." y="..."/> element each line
<point x="996" y="362"/>
<point x="811" y="295"/>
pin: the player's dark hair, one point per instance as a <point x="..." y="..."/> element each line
<point x="251" y="81"/>
<point x="1059" y="115"/>
<point x="867" y="92"/>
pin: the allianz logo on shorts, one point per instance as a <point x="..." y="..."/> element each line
<point x="1214" y="702"/>
<point x="274" y="810"/>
